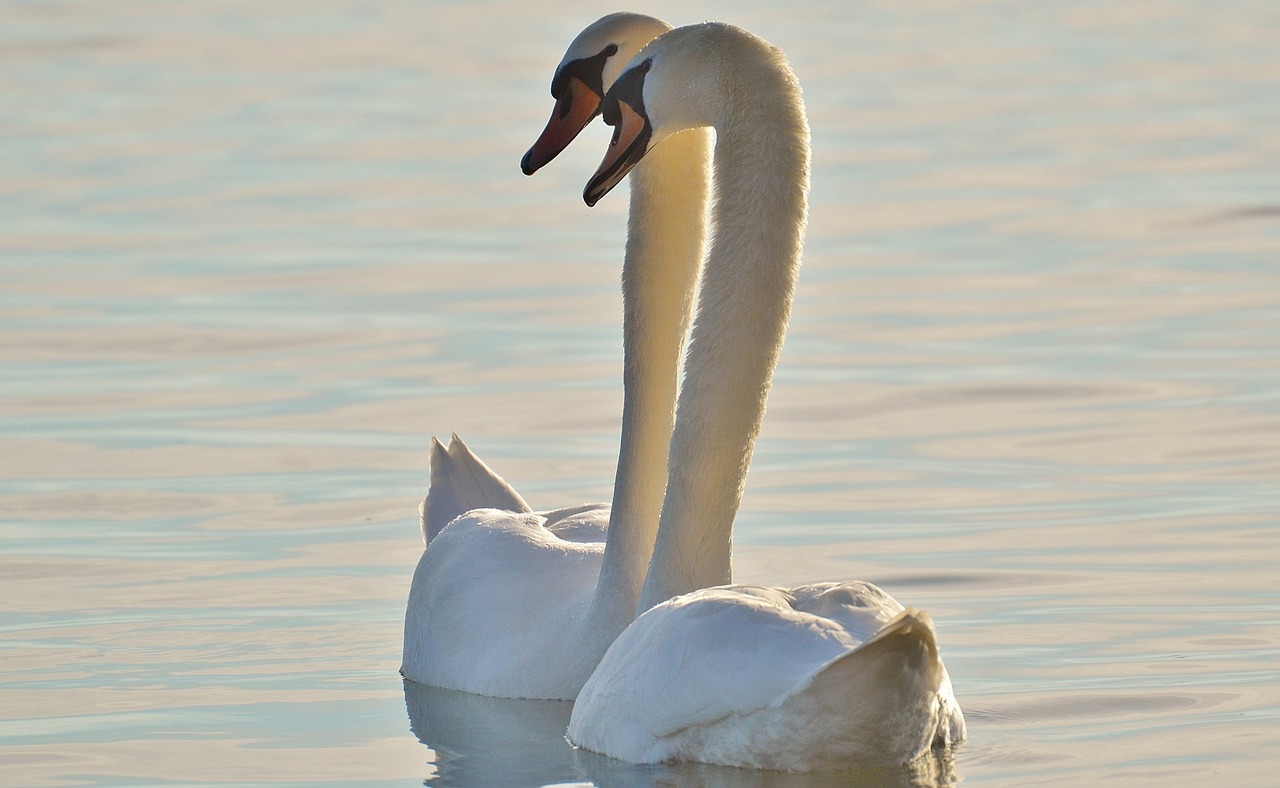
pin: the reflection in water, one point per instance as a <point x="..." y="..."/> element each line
<point x="482" y="741"/>
<point x="491" y="741"/>
<point x="932" y="770"/>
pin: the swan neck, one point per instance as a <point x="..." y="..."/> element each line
<point x="761" y="186"/>
<point x="665" y="238"/>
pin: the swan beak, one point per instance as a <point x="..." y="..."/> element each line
<point x="573" y="111"/>
<point x="631" y="133"/>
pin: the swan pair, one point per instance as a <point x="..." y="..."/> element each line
<point x="513" y="603"/>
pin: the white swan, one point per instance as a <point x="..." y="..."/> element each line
<point x="511" y="603"/>
<point x="797" y="679"/>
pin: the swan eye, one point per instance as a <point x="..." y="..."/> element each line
<point x="646" y="65"/>
<point x="610" y="50"/>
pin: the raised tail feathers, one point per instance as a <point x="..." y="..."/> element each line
<point x="460" y="482"/>
<point x="893" y="679"/>
<point x="903" y="654"/>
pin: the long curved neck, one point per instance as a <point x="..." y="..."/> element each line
<point x="762" y="179"/>
<point x="666" y="232"/>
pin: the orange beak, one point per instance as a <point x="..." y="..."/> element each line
<point x="629" y="145"/>
<point x="573" y="111"/>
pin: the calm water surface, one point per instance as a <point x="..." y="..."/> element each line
<point x="252" y="256"/>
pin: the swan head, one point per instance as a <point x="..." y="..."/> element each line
<point x="683" y="80"/>
<point x="590" y="65"/>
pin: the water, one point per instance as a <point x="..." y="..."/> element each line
<point x="253" y="256"/>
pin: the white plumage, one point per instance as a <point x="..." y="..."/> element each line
<point x="798" y="679"/>
<point x="511" y="603"/>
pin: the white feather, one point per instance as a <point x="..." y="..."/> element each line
<point x="796" y="679"/>
<point x="460" y="482"/>
<point x="511" y="603"/>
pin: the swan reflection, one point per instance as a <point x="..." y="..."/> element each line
<point x="483" y="741"/>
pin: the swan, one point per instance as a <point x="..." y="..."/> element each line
<point x="782" y="678"/>
<point x="513" y="603"/>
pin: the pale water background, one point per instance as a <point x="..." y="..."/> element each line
<point x="255" y="254"/>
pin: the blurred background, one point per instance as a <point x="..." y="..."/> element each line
<point x="252" y="256"/>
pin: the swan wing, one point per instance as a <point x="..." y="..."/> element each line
<point x="747" y="676"/>
<point x="497" y="604"/>
<point x="862" y="609"/>
<point x="879" y="700"/>
<point x="697" y="659"/>
<point x="460" y="482"/>
<point x="896" y="677"/>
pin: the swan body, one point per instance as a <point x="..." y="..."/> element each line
<point x="511" y="603"/>
<point x="794" y="679"/>
<point x="797" y="679"/>
<point x="500" y="603"/>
